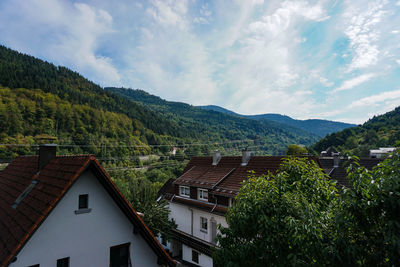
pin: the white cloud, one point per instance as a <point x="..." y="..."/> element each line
<point x="205" y="15"/>
<point x="377" y="99"/>
<point x="169" y="13"/>
<point x="398" y="61"/>
<point x="363" y="33"/>
<point x="398" y="3"/>
<point x="349" y="84"/>
<point x="325" y="82"/>
<point x="64" y="33"/>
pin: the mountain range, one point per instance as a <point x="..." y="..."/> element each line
<point x="314" y="126"/>
<point x="40" y="101"/>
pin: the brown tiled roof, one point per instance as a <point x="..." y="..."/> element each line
<point x="198" y="161"/>
<point x="203" y="176"/>
<point x="54" y="180"/>
<point x="258" y="165"/>
<point x="226" y="177"/>
<point x="339" y="173"/>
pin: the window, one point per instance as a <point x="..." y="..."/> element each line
<point x="119" y="256"/>
<point x="83" y="201"/>
<point x="195" y="256"/>
<point x="35" y="265"/>
<point x="83" y="204"/>
<point x="184" y="191"/>
<point x="64" y="262"/>
<point x="203" y="224"/>
<point x="202" y="194"/>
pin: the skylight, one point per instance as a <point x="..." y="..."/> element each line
<point x="24" y="194"/>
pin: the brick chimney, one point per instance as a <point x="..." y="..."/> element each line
<point x="46" y="153"/>
<point x="216" y="157"/>
<point x="246" y="154"/>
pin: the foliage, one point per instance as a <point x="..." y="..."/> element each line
<point x="282" y="219"/>
<point x="297" y="218"/>
<point x="18" y="70"/>
<point x="368" y="221"/>
<point x="294" y="150"/>
<point x="141" y="188"/>
<point x="28" y="116"/>
<point x="380" y="131"/>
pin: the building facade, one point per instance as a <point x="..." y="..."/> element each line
<point x="199" y="199"/>
<point x="66" y="211"/>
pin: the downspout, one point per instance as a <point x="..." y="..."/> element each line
<point x="191" y="224"/>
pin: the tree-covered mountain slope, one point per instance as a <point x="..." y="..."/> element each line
<point x="380" y="131"/>
<point x="315" y="126"/>
<point x="271" y="136"/>
<point x="39" y="100"/>
<point x="18" y="70"/>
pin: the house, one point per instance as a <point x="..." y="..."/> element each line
<point x="382" y="152"/>
<point x="66" y="211"/>
<point x="199" y="199"/>
<point x="335" y="166"/>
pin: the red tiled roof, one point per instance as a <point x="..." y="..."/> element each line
<point x="18" y="225"/>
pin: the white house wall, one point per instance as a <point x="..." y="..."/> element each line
<point x="85" y="238"/>
<point x="182" y="215"/>
<point x="204" y="260"/>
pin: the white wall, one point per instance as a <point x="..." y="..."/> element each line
<point x="85" y="238"/>
<point x="204" y="260"/>
<point x="196" y="223"/>
<point x="182" y="215"/>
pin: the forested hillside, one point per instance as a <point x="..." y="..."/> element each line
<point x="40" y="101"/>
<point x="380" y="131"/>
<point x="18" y="70"/>
<point x="270" y="137"/>
<point x="314" y="126"/>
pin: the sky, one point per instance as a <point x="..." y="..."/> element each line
<point x="335" y="60"/>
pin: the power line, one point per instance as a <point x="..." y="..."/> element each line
<point x="153" y="145"/>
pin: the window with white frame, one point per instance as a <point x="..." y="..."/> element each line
<point x="203" y="224"/>
<point x="184" y="191"/>
<point x="202" y="194"/>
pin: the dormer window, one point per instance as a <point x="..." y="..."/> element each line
<point x="83" y="204"/>
<point x="202" y="194"/>
<point x="184" y="191"/>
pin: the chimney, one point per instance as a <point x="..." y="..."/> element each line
<point x="46" y="153"/>
<point x="216" y="157"/>
<point x="246" y="154"/>
<point x="336" y="159"/>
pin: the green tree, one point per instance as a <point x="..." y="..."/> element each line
<point x="142" y="194"/>
<point x="281" y="220"/>
<point x="368" y="221"/>
<point x="296" y="150"/>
